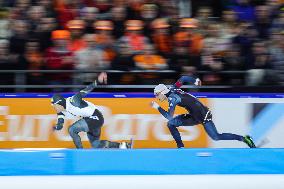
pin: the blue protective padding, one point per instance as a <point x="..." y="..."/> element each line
<point x="145" y="95"/>
<point x="33" y="162"/>
<point x="143" y="162"/>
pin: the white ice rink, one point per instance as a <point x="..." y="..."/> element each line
<point x="144" y="182"/>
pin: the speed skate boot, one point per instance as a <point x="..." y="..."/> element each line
<point x="248" y="140"/>
<point x="126" y="145"/>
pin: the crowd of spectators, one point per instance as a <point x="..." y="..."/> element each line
<point x="225" y="42"/>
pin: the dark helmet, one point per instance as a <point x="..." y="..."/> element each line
<point x="58" y="99"/>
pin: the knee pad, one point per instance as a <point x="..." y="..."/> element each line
<point x="170" y="125"/>
<point x="174" y="123"/>
<point x="72" y="130"/>
<point x="215" y="136"/>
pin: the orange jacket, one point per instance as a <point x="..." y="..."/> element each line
<point x="102" y="39"/>
<point x="163" y="42"/>
<point x="150" y="61"/>
<point x="193" y="41"/>
<point x="76" y="44"/>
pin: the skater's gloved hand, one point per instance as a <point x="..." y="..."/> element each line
<point x="197" y="82"/>
<point x="58" y="127"/>
<point x="154" y="105"/>
<point x="102" y="78"/>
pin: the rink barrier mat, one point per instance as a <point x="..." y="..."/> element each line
<point x="145" y="95"/>
<point x="141" y="161"/>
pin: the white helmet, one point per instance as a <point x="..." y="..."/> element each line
<point x="161" y="88"/>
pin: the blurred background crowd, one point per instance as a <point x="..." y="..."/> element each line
<point x="224" y="42"/>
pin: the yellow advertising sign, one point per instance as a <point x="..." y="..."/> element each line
<point x="27" y="123"/>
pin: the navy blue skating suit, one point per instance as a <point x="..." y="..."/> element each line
<point x="197" y="113"/>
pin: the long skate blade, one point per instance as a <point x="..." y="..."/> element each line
<point x="262" y="143"/>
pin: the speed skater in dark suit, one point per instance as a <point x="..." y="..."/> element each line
<point x="198" y="113"/>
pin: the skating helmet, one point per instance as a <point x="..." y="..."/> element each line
<point x="161" y="89"/>
<point x="58" y="99"/>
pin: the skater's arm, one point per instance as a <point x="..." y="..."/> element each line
<point x="173" y="101"/>
<point x="60" y="121"/>
<point x="187" y="79"/>
<point x="77" y="98"/>
<point x="167" y="114"/>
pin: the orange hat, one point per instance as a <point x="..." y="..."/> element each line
<point x="188" y="23"/>
<point x="103" y="25"/>
<point x="160" y="23"/>
<point x="76" y="24"/>
<point x="134" y="25"/>
<point x="60" y="34"/>
<point x="149" y="6"/>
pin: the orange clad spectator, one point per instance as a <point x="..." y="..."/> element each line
<point x="150" y="60"/>
<point x="136" y="5"/>
<point x="59" y="4"/>
<point x="60" y="34"/>
<point x="161" y="36"/>
<point x="66" y="11"/>
<point x="187" y="37"/>
<point x="134" y="36"/>
<point x="76" y="28"/>
<point x="33" y="59"/>
<point x="134" y="9"/>
<point x="89" y="58"/>
<point x="59" y="57"/>
<point x="104" y="38"/>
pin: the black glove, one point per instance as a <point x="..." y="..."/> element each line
<point x="57" y="127"/>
